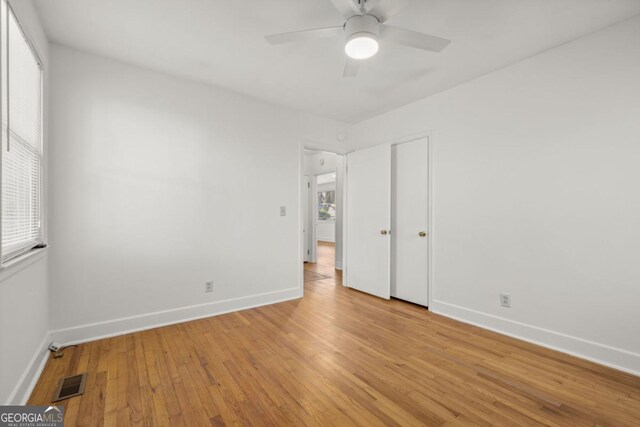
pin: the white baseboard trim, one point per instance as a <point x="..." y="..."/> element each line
<point x="127" y="325"/>
<point x="27" y="382"/>
<point x="622" y="360"/>
<point x="338" y="265"/>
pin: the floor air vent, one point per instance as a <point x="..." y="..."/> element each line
<point x="69" y="387"/>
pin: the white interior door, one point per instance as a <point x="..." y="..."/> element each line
<point x="409" y="221"/>
<point x="306" y="190"/>
<point x="368" y="220"/>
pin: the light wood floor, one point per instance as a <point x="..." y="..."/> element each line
<point x="335" y="357"/>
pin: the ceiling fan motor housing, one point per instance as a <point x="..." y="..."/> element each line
<point x="362" y="26"/>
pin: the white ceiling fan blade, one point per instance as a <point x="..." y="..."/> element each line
<point x="382" y="9"/>
<point x="351" y="68"/>
<point x="304" y="35"/>
<point x="347" y="8"/>
<point x="413" y="38"/>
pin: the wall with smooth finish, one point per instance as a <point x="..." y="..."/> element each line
<point x="535" y="194"/>
<point x="24" y="328"/>
<point x="326" y="231"/>
<point x="24" y="291"/>
<point x="320" y="162"/>
<point x="159" y="185"/>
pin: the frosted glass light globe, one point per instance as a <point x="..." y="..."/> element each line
<point x="361" y="46"/>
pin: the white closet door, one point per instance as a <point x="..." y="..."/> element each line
<point x="410" y="190"/>
<point x="368" y="220"/>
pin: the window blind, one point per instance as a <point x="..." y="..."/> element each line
<point x="21" y="154"/>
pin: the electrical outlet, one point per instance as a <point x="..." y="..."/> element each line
<point x="505" y="300"/>
<point x="283" y="211"/>
<point x="208" y="287"/>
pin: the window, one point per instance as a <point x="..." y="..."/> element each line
<point x="21" y="145"/>
<point x="326" y="205"/>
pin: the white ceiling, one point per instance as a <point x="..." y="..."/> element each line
<point x="221" y="43"/>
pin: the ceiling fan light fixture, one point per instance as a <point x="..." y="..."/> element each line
<point x="361" y="46"/>
<point x="361" y="32"/>
<point x="364" y="25"/>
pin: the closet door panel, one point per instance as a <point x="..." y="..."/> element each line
<point x="410" y="200"/>
<point x="368" y="220"/>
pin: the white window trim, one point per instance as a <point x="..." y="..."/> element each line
<point x="23" y="259"/>
<point x="19" y="263"/>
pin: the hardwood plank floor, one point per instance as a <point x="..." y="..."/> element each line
<point x="335" y="357"/>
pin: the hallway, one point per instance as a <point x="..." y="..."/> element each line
<point x="324" y="270"/>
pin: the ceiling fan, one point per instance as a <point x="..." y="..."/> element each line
<point x="363" y="27"/>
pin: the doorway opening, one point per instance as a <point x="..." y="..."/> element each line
<point x="322" y="217"/>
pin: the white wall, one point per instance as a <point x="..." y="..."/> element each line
<point x="320" y="162"/>
<point x="24" y="327"/>
<point x="158" y="185"/>
<point x="326" y="231"/>
<point x="24" y="291"/>
<point x="536" y="194"/>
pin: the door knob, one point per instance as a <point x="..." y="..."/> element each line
<point x="422" y="234"/>
<point x="384" y="232"/>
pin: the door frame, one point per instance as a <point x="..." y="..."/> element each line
<point x="312" y="145"/>
<point x="306" y="200"/>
